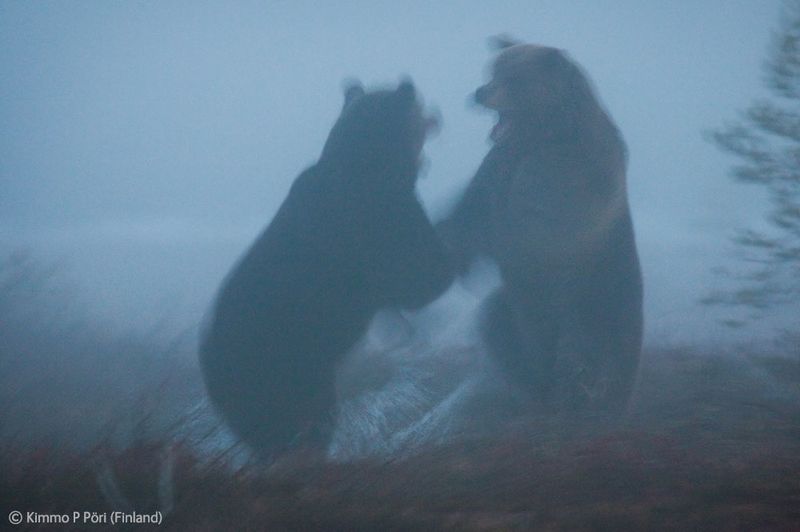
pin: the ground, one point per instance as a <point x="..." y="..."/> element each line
<point x="712" y="442"/>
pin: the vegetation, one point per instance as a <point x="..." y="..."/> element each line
<point x="766" y="142"/>
<point x="712" y="443"/>
<point x="69" y="382"/>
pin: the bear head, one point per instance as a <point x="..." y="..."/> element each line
<point x="381" y="131"/>
<point x="536" y="91"/>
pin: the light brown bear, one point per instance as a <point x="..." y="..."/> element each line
<point x="549" y="206"/>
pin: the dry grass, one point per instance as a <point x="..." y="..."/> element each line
<point x="712" y="443"/>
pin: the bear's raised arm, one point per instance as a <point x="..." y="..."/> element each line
<point x="465" y="232"/>
<point x="420" y="269"/>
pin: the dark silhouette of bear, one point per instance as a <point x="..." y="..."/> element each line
<point x="350" y="239"/>
<point x="549" y="205"/>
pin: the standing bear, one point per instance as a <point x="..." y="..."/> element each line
<point x="549" y="206"/>
<point x="350" y="239"/>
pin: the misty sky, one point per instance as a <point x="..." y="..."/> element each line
<point x="146" y="143"/>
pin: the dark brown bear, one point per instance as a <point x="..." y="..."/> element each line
<point x="549" y="205"/>
<point x="350" y="239"/>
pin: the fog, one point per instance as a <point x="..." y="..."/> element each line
<point x="146" y="144"/>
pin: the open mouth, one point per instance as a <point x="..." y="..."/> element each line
<point x="502" y="129"/>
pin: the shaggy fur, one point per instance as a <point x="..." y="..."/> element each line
<point x="350" y="239"/>
<point x="549" y="205"/>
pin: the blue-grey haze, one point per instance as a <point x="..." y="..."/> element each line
<point x="146" y="143"/>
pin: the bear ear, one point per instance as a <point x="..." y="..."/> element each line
<point x="352" y="89"/>
<point x="502" y="41"/>
<point x="406" y="91"/>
